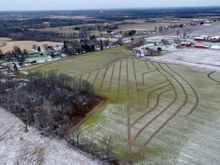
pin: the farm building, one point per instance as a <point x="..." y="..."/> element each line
<point x="202" y="38"/>
<point x="145" y="51"/>
<point x="202" y="46"/>
<point x="186" y="44"/>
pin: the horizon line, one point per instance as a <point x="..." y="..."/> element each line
<point x="96" y="9"/>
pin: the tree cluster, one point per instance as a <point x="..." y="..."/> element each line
<point x="51" y="102"/>
<point x="15" y="55"/>
<point x="83" y="46"/>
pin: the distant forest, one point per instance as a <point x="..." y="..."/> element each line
<point x="20" y="25"/>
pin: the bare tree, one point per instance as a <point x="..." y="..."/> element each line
<point x="184" y="35"/>
<point x="77" y="135"/>
<point x="45" y="46"/>
<point x="108" y="145"/>
<point x="1" y="54"/>
<point x="177" y="33"/>
<point x="34" y="46"/>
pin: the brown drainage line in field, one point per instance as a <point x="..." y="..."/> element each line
<point x="158" y="99"/>
<point x="154" y="107"/>
<point x="113" y="69"/>
<point x="149" y="94"/>
<point x="147" y="65"/>
<point x="146" y="113"/>
<point x="128" y="111"/>
<point x="103" y="78"/>
<point x="147" y="73"/>
<point x="195" y="93"/>
<point x="96" y="76"/>
<point x="137" y="91"/>
<point x="210" y="77"/>
<point x="142" y="90"/>
<point x="171" y="117"/>
<point x="119" y="78"/>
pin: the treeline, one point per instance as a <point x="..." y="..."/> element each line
<point x="49" y="101"/>
<point x="84" y="46"/>
<point x="15" y="55"/>
<point x="23" y="29"/>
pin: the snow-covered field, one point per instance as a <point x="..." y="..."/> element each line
<point x="18" y="147"/>
<point x="203" y="58"/>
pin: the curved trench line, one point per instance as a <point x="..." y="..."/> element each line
<point x="142" y="90"/>
<point x="210" y="77"/>
<point x="153" y="108"/>
<point x="149" y="94"/>
<point x="146" y="113"/>
<point x="155" y="69"/>
<point x="147" y="65"/>
<point x="158" y="115"/>
<point x="147" y="73"/>
<point x="194" y="91"/>
<point x="172" y="116"/>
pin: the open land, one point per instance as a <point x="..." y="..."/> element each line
<point x="19" y="147"/>
<point x="156" y="112"/>
<point x="207" y="59"/>
<point x="6" y="44"/>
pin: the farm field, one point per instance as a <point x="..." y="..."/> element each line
<point x="143" y="25"/>
<point x="6" y="44"/>
<point x="156" y="113"/>
<point x="207" y="59"/>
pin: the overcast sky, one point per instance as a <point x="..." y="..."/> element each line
<point x="97" y="4"/>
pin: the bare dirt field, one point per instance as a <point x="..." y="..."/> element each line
<point x="3" y="41"/>
<point x="18" y="147"/>
<point x="6" y="44"/>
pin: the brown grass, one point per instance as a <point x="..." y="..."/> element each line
<point x="7" y="44"/>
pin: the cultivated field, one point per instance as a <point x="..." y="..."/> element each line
<point x="6" y="44"/>
<point x="156" y="113"/>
